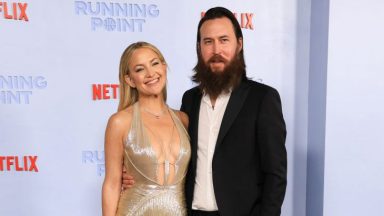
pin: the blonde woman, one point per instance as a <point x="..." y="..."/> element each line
<point x="146" y="137"/>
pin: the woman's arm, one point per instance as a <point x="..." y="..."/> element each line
<point x="113" y="150"/>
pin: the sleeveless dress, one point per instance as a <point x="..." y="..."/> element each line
<point x="147" y="196"/>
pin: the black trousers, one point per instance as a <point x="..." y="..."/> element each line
<point x="204" y="213"/>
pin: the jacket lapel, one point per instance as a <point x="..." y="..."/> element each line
<point x="235" y="103"/>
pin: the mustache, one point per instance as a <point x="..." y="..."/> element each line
<point x="217" y="58"/>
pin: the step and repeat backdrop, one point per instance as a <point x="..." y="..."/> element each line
<point x="59" y="84"/>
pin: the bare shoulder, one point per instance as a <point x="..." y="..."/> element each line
<point x="121" y="120"/>
<point x="183" y="117"/>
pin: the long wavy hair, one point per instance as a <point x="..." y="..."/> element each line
<point x="129" y="95"/>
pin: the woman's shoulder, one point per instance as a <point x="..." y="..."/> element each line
<point x="121" y="118"/>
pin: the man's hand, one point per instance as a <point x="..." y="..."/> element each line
<point x="127" y="181"/>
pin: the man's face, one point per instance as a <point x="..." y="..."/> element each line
<point x="218" y="43"/>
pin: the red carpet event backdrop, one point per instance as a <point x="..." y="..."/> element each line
<point x="59" y="84"/>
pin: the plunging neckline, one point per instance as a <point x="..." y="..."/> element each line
<point x="156" y="156"/>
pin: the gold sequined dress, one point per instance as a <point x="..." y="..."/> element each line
<point x="147" y="196"/>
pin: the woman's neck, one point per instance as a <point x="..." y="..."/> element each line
<point x="153" y="103"/>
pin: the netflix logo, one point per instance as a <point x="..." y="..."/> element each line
<point x="19" y="163"/>
<point x="104" y="91"/>
<point x="245" y="19"/>
<point x="14" y="10"/>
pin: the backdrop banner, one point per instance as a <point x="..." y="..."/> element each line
<point x="59" y="65"/>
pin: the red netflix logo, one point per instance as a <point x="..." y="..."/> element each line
<point x="104" y="91"/>
<point x="16" y="11"/>
<point x="18" y="163"/>
<point x="245" y="19"/>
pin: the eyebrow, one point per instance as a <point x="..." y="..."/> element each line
<point x="142" y="65"/>
<point x="211" y="38"/>
<point x="156" y="58"/>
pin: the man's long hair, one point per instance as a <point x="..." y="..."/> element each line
<point x="214" y="83"/>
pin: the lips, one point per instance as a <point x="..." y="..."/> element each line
<point x="216" y="61"/>
<point x="152" y="81"/>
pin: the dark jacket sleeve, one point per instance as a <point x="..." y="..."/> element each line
<point x="186" y="102"/>
<point x="271" y="133"/>
<point x="183" y="103"/>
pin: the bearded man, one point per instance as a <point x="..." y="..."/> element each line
<point x="239" y="163"/>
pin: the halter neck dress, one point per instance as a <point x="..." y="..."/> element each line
<point x="148" y="197"/>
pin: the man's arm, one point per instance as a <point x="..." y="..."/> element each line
<point x="271" y="138"/>
<point x="183" y="107"/>
<point x="127" y="180"/>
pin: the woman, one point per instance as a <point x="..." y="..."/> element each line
<point x="147" y="138"/>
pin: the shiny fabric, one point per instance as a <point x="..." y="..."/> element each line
<point x="147" y="196"/>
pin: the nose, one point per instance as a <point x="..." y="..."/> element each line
<point x="216" y="49"/>
<point x="150" y="71"/>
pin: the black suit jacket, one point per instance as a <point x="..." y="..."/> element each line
<point x="249" y="165"/>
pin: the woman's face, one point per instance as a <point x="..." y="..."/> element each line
<point x="146" y="73"/>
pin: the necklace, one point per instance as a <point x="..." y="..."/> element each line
<point x="167" y="163"/>
<point x="166" y="148"/>
<point x="156" y="115"/>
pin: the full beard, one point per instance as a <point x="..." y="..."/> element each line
<point x="215" y="83"/>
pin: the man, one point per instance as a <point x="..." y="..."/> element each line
<point x="238" y="161"/>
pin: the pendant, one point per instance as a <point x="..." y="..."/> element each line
<point x="166" y="168"/>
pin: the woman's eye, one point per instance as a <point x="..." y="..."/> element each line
<point x="138" y="69"/>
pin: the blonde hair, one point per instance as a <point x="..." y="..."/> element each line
<point x="129" y="95"/>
